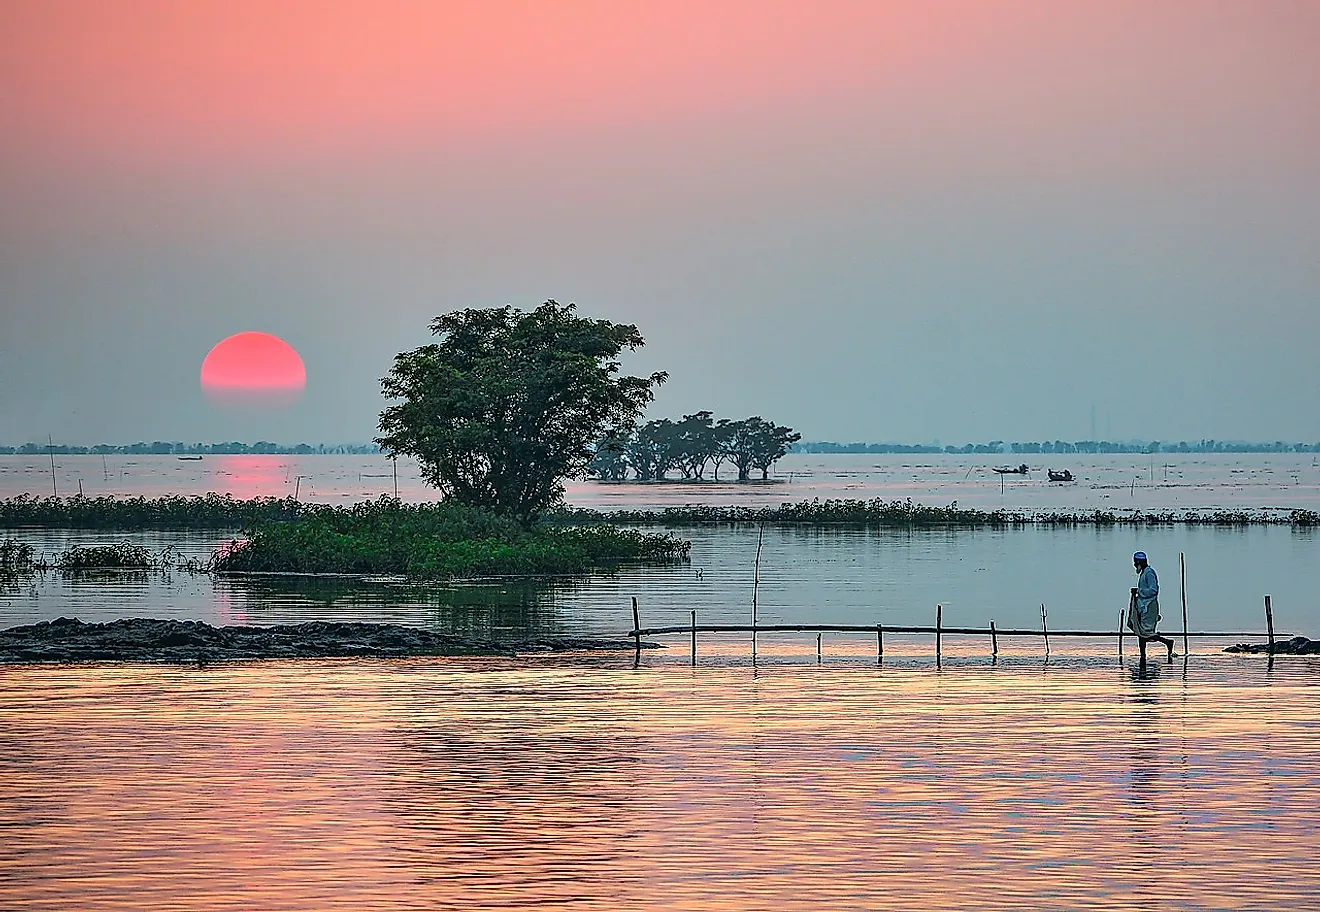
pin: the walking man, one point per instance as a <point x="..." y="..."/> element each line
<point x="1144" y="610"/>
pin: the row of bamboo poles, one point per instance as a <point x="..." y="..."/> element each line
<point x="939" y="630"/>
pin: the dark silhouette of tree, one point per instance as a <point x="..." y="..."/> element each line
<point x="721" y="436"/>
<point x="697" y="443"/>
<point x="770" y="442"/>
<point x="609" y="461"/>
<point x="757" y="443"/>
<point x="507" y="405"/>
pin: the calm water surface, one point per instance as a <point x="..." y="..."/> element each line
<point x="589" y="785"/>
<point x="1073" y="781"/>
<point x="807" y="575"/>
<point x="1117" y="482"/>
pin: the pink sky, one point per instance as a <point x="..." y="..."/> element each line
<point x="123" y="81"/>
<point x="955" y="202"/>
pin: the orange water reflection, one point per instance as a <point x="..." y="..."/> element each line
<point x="478" y="785"/>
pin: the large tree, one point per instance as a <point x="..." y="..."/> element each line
<point x="756" y="443"/>
<point x="507" y="404"/>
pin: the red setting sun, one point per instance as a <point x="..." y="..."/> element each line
<point x="253" y="368"/>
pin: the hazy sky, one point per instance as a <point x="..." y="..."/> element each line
<point x="868" y="220"/>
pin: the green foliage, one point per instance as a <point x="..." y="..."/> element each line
<point x="119" y="556"/>
<point x="692" y="444"/>
<point x="880" y="514"/>
<point x="507" y="404"/>
<point x="757" y="443"/>
<point x="16" y="557"/>
<point x="440" y="541"/>
<point x="211" y="511"/>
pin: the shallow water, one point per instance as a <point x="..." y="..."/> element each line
<point x="1081" y="575"/>
<point x="1168" y="481"/>
<point x="1067" y="780"/>
<point x="584" y="783"/>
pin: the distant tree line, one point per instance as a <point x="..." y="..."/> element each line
<point x="690" y="446"/>
<point x="1062" y="446"/>
<point x="165" y="448"/>
<point x="751" y="442"/>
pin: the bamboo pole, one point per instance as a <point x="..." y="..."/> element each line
<point x="637" y="628"/>
<point x="1120" y="635"/>
<point x="818" y="647"/>
<point x="879" y="643"/>
<point x="694" y="638"/>
<point x="1182" y="569"/>
<point x="939" y="625"/>
<point x="1269" y="622"/>
<point x="756" y="584"/>
<point x="994" y="640"/>
<point x="50" y="449"/>
<point x="1044" y="627"/>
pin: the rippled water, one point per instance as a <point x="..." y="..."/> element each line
<point x="1112" y="482"/>
<point x="1082" y="575"/>
<point x="589" y="785"/>
<point x="1073" y="780"/>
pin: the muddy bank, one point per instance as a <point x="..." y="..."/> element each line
<point x="193" y="642"/>
<point x="1298" y="645"/>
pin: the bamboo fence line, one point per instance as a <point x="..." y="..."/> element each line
<point x="938" y="630"/>
<point x="893" y="628"/>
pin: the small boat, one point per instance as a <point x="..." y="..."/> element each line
<point x="1005" y="470"/>
<point x="1065" y="475"/>
<point x="188" y="458"/>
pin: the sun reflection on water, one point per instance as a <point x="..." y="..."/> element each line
<point x="478" y="784"/>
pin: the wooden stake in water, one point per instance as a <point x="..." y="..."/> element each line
<point x="637" y="628"/>
<point x="50" y="448"/>
<point x="879" y="643"/>
<point x="818" y="639"/>
<point x="1269" y="622"/>
<point x="694" y="638"/>
<point x="939" y="630"/>
<point x="1182" y="569"/>
<point x="756" y="584"/>
<point x="994" y="640"/>
<point x="1121" y="616"/>
<point x="1045" y="629"/>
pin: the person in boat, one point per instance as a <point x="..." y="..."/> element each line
<point x="1144" y="610"/>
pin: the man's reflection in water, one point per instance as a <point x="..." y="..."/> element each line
<point x="1147" y="766"/>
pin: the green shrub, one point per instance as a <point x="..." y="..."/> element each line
<point x="441" y="541"/>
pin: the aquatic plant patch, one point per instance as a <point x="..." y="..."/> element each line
<point x="440" y="541"/>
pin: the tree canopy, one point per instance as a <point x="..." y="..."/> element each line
<point x="691" y="444"/>
<point x="507" y="404"/>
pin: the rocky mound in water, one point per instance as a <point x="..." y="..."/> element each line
<point x="192" y="642"/>
<point x="1298" y="645"/>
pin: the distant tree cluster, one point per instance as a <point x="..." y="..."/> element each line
<point x="165" y="448"/>
<point x="692" y="445"/>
